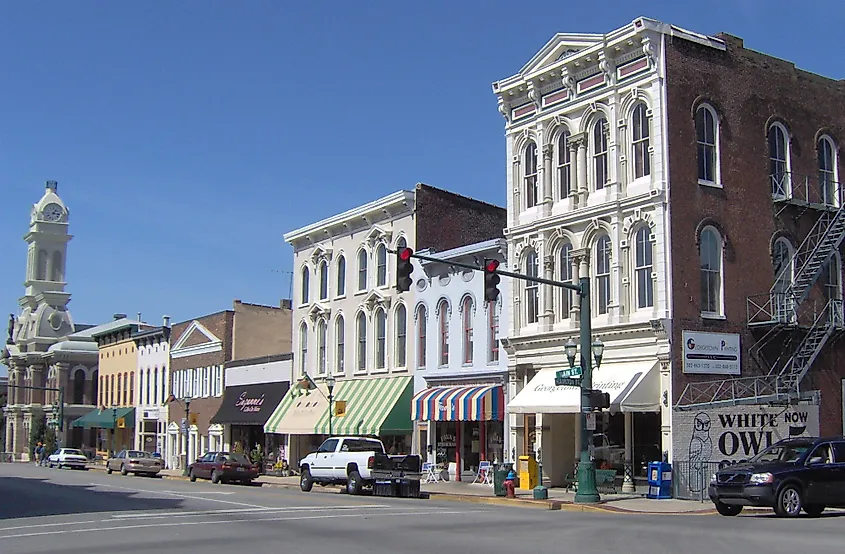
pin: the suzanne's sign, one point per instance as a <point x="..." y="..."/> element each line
<point x="248" y="405"/>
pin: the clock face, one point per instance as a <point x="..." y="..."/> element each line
<point x="52" y="212"/>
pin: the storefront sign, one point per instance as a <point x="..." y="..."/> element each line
<point x="246" y="404"/>
<point x="711" y="353"/>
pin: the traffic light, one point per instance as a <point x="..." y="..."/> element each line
<point x="404" y="268"/>
<point x="491" y="280"/>
<point x="599" y="400"/>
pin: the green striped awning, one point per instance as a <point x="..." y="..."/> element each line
<point x="373" y="407"/>
<point x="106" y="419"/>
<point x="298" y="412"/>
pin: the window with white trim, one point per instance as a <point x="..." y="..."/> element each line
<point x="640" y="131"/>
<point x="361" y="328"/>
<point x="782" y="260"/>
<point x="422" y="323"/>
<point x="340" y="346"/>
<point x="305" y="285"/>
<point x="603" y="251"/>
<point x="564" y="165"/>
<point x="324" y="280"/>
<point x="707" y="134"/>
<point x="381" y="338"/>
<point x="710" y="251"/>
<point x="532" y="184"/>
<point x="532" y="289"/>
<point x="466" y="313"/>
<point x="362" y="270"/>
<point x="643" y="268"/>
<point x="381" y="265"/>
<point x="401" y="319"/>
<point x="493" y="331"/>
<point x="322" y="337"/>
<point x="341" y="275"/>
<point x="826" y="153"/>
<point x="303" y="348"/>
<point x="779" y="160"/>
<point x="444" y="332"/>
<point x="565" y="275"/>
<point x="600" y="172"/>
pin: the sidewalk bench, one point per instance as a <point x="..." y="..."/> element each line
<point x="605" y="481"/>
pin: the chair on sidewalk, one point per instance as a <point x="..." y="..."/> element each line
<point x="485" y="473"/>
<point x="429" y="473"/>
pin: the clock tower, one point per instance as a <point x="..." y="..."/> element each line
<point x="44" y="315"/>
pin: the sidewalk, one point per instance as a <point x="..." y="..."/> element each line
<point x="559" y="499"/>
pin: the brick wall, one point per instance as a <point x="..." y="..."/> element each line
<point x="748" y="90"/>
<point x="447" y="220"/>
<point x="260" y="330"/>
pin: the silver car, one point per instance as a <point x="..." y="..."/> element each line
<point x="134" y="461"/>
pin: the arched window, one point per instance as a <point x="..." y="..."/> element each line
<point x="57" y="270"/>
<point x="95" y="387"/>
<point x="565" y="275"/>
<point x="422" y="324"/>
<point x="532" y="289"/>
<point x="341" y="275"/>
<point x="401" y="244"/>
<point x="381" y="265"/>
<point x="466" y="316"/>
<point x="381" y="338"/>
<point x="711" y="271"/>
<point x="564" y="165"/>
<point x="117" y="392"/>
<point x="532" y="185"/>
<point x="113" y="389"/>
<point x="401" y="335"/>
<point x="306" y="285"/>
<point x="361" y="325"/>
<point x="340" y="344"/>
<point x="131" y="400"/>
<point x="362" y="270"/>
<point x="643" y="266"/>
<point x="779" y="160"/>
<point x="832" y="279"/>
<point x="782" y="260"/>
<point x="148" y="390"/>
<point x="443" y="325"/>
<point x="827" y="171"/>
<point x="156" y="391"/>
<point x="324" y="280"/>
<point x="322" y="337"/>
<point x="79" y="386"/>
<point x="493" y="309"/>
<point x="640" y="129"/>
<point x="600" y="153"/>
<point x="602" y="274"/>
<point x="303" y="348"/>
<point x="706" y="132"/>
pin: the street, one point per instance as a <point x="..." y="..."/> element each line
<point x="49" y="510"/>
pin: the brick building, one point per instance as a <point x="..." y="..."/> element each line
<point x="352" y="325"/>
<point x="199" y="349"/>
<point x="696" y="183"/>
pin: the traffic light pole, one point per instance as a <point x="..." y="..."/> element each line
<point x="587" y="492"/>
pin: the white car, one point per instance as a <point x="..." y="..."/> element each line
<point x="67" y="457"/>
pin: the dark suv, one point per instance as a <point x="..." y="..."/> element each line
<point x="791" y="475"/>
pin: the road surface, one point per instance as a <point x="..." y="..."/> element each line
<point x="74" y="512"/>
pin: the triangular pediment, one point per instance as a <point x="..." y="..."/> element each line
<point x="378" y="234"/>
<point x="561" y="46"/>
<point x="321" y="253"/>
<point x="318" y="311"/>
<point x="196" y="334"/>
<point x="376" y="299"/>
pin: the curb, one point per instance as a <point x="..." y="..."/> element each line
<point x="552" y="505"/>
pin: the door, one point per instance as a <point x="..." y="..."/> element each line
<point x="325" y="457"/>
<point x="820" y="476"/>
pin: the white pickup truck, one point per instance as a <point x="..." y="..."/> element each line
<point x="356" y="462"/>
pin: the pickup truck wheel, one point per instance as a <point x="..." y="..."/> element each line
<point x="789" y="502"/>
<point x="728" y="509"/>
<point x="353" y="482"/>
<point x="305" y="482"/>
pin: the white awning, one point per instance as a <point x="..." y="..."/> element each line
<point x="633" y="387"/>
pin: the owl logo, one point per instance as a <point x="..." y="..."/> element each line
<point x="700" y="449"/>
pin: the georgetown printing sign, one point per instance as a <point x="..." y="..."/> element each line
<point x="729" y="434"/>
<point x="711" y="353"/>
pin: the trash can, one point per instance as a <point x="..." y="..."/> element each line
<point x="500" y="475"/>
<point x="659" y="480"/>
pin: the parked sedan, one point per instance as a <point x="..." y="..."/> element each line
<point x="67" y="457"/>
<point x="134" y="461"/>
<point x="223" y="467"/>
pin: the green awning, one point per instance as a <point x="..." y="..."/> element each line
<point x="379" y="406"/>
<point x="106" y="419"/>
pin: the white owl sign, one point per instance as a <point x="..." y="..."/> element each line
<point x="734" y="433"/>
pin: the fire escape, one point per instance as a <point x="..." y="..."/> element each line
<point x="794" y="327"/>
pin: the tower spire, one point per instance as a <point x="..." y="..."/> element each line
<point x="53" y="185"/>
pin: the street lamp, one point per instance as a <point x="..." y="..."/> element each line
<point x="187" y="402"/>
<point x="330" y="384"/>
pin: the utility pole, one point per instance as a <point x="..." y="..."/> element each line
<point x="586" y="472"/>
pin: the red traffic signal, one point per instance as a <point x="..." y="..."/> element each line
<point x="405" y="254"/>
<point x="491" y="266"/>
<point x="491" y="280"/>
<point x="404" y="268"/>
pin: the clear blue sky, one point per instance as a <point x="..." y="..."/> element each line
<point x="187" y="136"/>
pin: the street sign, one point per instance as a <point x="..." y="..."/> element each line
<point x="567" y="382"/>
<point x="571" y="372"/>
<point x="591" y="421"/>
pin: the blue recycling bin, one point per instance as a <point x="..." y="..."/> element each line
<point x="659" y="480"/>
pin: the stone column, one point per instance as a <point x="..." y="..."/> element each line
<point x="548" y="316"/>
<point x="628" y="477"/>
<point x="573" y="169"/>
<point x="8" y="445"/>
<point x="548" y="193"/>
<point x="580" y="141"/>
<point x="20" y="438"/>
<point x="37" y="380"/>
<point x="516" y="179"/>
<point x="580" y="260"/>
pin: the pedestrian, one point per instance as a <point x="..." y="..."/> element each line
<point x="37" y="453"/>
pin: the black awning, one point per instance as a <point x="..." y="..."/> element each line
<point x="250" y="404"/>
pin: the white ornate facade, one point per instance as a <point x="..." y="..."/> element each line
<point x="153" y="351"/>
<point x="587" y="197"/>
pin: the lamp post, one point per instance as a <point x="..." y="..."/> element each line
<point x="330" y="384"/>
<point x="113" y="426"/>
<point x="187" y="435"/>
<point x="587" y="492"/>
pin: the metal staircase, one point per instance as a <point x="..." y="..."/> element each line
<point x="785" y="314"/>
